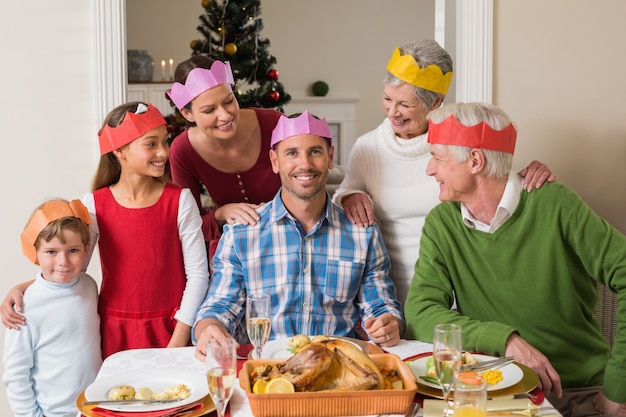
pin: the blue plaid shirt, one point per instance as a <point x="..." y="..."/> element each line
<point x="321" y="283"/>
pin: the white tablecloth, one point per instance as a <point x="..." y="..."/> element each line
<point x="183" y="358"/>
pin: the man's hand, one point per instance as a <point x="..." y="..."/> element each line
<point x="535" y="175"/>
<point x="384" y="330"/>
<point x="606" y="406"/>
<point x="525" y="353"/>
<point x="359" y="209"/>
<point x="206" y="330"/>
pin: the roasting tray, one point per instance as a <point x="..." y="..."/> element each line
<point x="329" y="404"/>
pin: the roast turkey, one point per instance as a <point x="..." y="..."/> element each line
<point x="329" y="365"/>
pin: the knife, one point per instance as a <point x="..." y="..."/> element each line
<point x="124" y="402"/>
<point x="528" y="411"/>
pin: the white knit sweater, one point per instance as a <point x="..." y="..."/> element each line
<point x="393" y="172"/>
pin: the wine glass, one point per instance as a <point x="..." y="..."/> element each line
<point x="258" y="321"/>
<point x="221" y="371"/>
<point x="447" y="358"/>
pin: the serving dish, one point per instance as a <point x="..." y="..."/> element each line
<point x="332" y="403"/>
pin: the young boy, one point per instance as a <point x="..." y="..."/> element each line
<point x="48" y="363"/>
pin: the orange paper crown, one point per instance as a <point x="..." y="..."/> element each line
<point x="134" y="126"/>
<point x="483" y="136"/>
<point x="49" y="212"/>
<point x="429" y="78"/>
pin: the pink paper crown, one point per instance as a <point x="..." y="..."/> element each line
<point x="198" y="81"/>
<point x="429" y="78"/>
<point x="49" y="212"/>
<point x="483" y="136"/>
<point x="301" y="125"/>
<point x="133" y="126"/>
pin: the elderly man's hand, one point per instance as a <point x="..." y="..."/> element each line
<point x="606" y="406"/>
<point x="525" y="353"/>
<point x="384" y="330"/>
<point x="359" y="209"/>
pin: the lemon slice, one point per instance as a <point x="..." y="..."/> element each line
<point x="260" y="387"/>
<point x="279" y="386"/>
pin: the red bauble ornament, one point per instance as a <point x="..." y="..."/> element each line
<point x="273" y="74"/>
<point x="274" y="95"/>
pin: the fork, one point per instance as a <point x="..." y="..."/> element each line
<point x="492" y="364"/>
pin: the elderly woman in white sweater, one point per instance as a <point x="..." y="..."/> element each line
<point x="386" y="177"/>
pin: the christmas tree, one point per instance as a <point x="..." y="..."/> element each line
<point x="231" y="30"/>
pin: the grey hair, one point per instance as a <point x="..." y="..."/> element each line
<point x="426" y="52"/>
<point x="498" y="164"/>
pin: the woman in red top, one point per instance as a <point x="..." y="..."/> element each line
<point x="226" y="149"/>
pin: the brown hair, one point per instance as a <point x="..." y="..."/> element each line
<point x="109" y="168"/>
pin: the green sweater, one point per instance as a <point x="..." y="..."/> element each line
<point x="536" y="275"/>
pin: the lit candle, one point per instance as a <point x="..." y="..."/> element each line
<point x="171" y="69"/>
<point x="163" y="70"/>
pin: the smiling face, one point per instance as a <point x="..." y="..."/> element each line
<point x="406" y="113"/>
<point x="455" y="178"/>
<point x="146" y="155"/>
<point x="215" y="112"/>
<point x="61" y="262"/>
<point x="303" y="162"/>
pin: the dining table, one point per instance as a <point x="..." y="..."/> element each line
<point x="184" y="358"/>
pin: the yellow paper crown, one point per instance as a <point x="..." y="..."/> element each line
<point x="429" y="78"/>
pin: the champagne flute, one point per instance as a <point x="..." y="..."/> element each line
<point x="221" y="371"/>
<point x="258" y="321"/>
<point x="447" y="358"/>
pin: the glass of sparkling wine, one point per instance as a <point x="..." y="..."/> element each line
<point x="447" y="357"/>
<point x="258" y="321"/>
<point x="221" y="371"/>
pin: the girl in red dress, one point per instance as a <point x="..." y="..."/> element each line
<point x="149" y="232"/>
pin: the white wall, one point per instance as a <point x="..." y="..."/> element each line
<point x="47" y="117"/>
<point x="558" y="74"/>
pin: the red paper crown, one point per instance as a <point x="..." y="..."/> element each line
<point x="483" y="136"/>
<point x="134" y="126"/>
<point x="50" y="211"/>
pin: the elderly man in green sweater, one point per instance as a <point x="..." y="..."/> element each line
<point x="522" y="267"/>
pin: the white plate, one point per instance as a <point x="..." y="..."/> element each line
<point x="278" y="349"/>
<point x="511" y="373"/>
<point x="155" y="379"/>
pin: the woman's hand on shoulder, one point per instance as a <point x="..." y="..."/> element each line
<point x="242" y="213"/>
<point x="359" y="209"/>
<point x="535" y="175"/>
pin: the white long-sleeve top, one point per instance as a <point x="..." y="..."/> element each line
<point x="194" y="252"/>
<point x="50" y="361"/>
<point x="393" y="172"/>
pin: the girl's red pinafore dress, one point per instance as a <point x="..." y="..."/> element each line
<point x="143" y="275"/>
